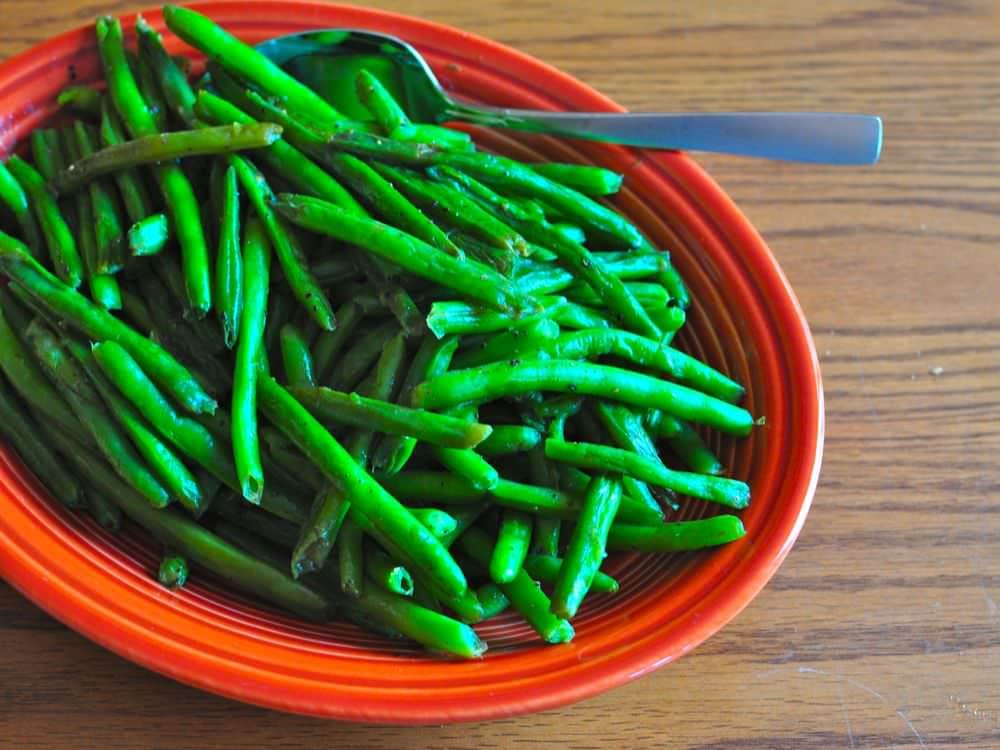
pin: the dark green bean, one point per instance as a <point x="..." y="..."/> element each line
<point x="13" y="195"/>
<point x="171" y="78"/>
<point x="130" y="184"/>
<point x="173" y="572"/>
<point x="506" y="439"/>
<point x="108" y="230"/>
<point x="351" y="559"/>
<point x="320" y="531"/>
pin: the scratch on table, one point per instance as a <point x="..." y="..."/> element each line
<point x="913" y="729"/>
<point x="845" y="678"/>
<point x="990" y="605"/>
<point x="847" y="717"/>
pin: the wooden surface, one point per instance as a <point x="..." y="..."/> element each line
<point x="881" y="630"/>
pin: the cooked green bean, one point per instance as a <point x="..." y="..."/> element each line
<point x="455" y="317"/>
<point x="173" y="572"/>
<point x="172" y="79"/>
<point x="89" y="409"/>
<point x="229" y="260"/>
<point x="585" y="551"/>
<point x="330" y="343"/>
<point x="130" y="184"/>
<point x="20" y="430"/>
<point x="389" y="575"/>
<point x="81" y="100"/>
<point x="165" y="147"/>
<point x="290" y="256"/>
<point x="673" y="537"/>
<point x="439" y="523"/>
<point x="351" y="559"/>
<point x="524" y="594"/>
<point x="545" y="568"/>
<point x="502" y="205"/>
<point x="595" y="181"/>
<point x="506" y="439"/>
<point x="319" y="531"/>
<point x="511" y="546"/>
<point x="730" y="492"/>
<point x="167" y="466"/>
<point x="13" y="195"/>
<point x="108" y="230"/>
<point x="296" y="357"/>
<point x="486" y="383"/>
<point x="247" y="63"/>
<point x="62" y="247"/>
<point x="336" y="407"/>
<point x="149" y="236"/>
<point x="380" y="103"/>
<point x="508" y="345"/>
<point x="357" y="360"/>
<point x="468" y="277"/>
<point x="182" y="205"/>
<point x="691" y="449"/>
<point x="423" y="550"/>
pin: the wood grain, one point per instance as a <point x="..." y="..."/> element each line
<point x="881" y="630"/>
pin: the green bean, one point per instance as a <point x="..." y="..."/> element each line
<point x="486" y="383"/>
<point x="439" y="136"/>
<point x="572" y="315"/>
<point x="501" y="205"/>
<point x="47" y="152"/>
<point x="104" y="288"/>
<point x="730" y="492"/>
<point x="290" y="257"/>
<point x="233" y="508"/>
<point x="182" y="204"/>
<point x="247" y="63"/>
<point x="149" y="236"/>
<point x="431" y="629"/>
<point x="336" y="407"/>
<point x="319" y="532"/>
<point x="90" y="411"/>
<point x="380" y="385"/>
<point x="508" y="345"/>
<point x="84" y="101"/>
<point x="62" y="247"/>
<point x="511" y="546"/>
<point x="675" y="286"/>
<point x="468" y="277"/>
<point x="108" y="231"/>
<point x="171" y="78"/>
<point x="430" y="486"/>
<point x="661" y="425"/>
<point x="547" y="278"/>
<point x="432" y="357"/>
<point x="669" y="319"/>
<point x="455" y="208"/>
<point x="329" y="343"/>
<point x="77" y="312"/>
<point x="279" y="311"/>
<point x="586" y="548"/>
<point x="423" y="551"/>
<point x="351" y="559"/>
<point x="469" y="465"/>
<point x="389" y="203"/>
<point x="27" y="378"/>
<point x="255" y="262"/>
<point x="545" y="568"/>
<point x="296" y="358"/>
<point x="190" y="437"/>
<point x="13" y="195"/>
<point x="570" y="232"/>
<point x="379" y="102"/>
<point x="166" y="466"/>
<point x="136" y="310"/>
<point x="594" y="181"/>
<point x="173" y="572"/>
<point x="357" y="360"/>
<point x="494" y="600"/>
<point x="546" y="532"/>
<point x="672" y="537"/>
<point x="524" y="594"/>
<point x="455" y="317"/>
<point x="439" y="523"/>
<point x="165" y="147"/>
<point x="646" y="353"/>
<point x="392" y="295"/>
<point x="281" y="157"/>
<point x="390" y="576"/>
<point x="691" y="449"/>
<point x="19" y="428"/>
<point x="148" y="87"/>
<point x="106" y="513"/>
<point x="130" y="184"/>
<point x="506" y="439"/>
<point x="651" y="296"/>
<point x="204" y="548"/>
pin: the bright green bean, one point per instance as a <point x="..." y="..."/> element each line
<point x="511" y="546"/>
<point x="149" y="236"/>
<point x="673" y="537"/>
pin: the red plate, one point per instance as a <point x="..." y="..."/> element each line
<point x="745" y="320"/>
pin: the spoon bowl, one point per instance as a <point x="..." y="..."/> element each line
<point x="815" y="137"/>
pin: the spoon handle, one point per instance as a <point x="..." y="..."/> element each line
<point x="820" y="138"/>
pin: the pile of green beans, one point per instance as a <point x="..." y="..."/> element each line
<point x="356" y="368"/>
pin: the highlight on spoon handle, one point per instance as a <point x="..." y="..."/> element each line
<point x="819" y="138"/>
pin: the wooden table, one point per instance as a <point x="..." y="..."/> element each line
<point x="881" y="629"/>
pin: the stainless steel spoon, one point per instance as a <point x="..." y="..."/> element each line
<point x="817" y="137"/>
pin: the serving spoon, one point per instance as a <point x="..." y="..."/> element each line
<point x="816" y="137"/>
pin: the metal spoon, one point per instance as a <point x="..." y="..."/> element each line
<point x="817" y="137"/>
